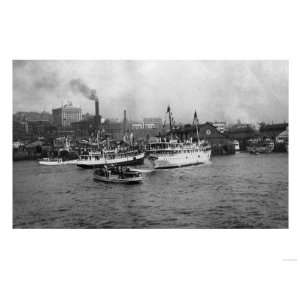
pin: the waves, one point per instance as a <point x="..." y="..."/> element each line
<point x="240" y="191"/>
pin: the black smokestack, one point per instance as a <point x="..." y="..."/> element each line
<point x="97" y="116"/>
<point x="93" y="96"/>
<point x="125" y="123"/>
<point x="97" y="108"/>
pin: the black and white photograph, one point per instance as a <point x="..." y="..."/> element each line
<point x="149" y="150"/>
<point x="167" y="144"/>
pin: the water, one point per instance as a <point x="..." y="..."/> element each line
<point x="238" y="191"/>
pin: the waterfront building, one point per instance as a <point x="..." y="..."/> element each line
<point x="150" y="127"/>
<point x="113" y="129"/>
<point x="272" y="130"/>
<point x="40" y="128"/>
<point x="219" y="142"/>
<point x="136" y="126"/>
<point x="206" y="132"/>
<point x="65" y="115"/>
<point x="20" y="130"/>
<point x="220" y="125"/>
<point x="32" y="116"/>
<point x="283" y="137"/>
<point x="109" y="128"/>
<point x="83" y="128"/>
<point x="242" y="133"/>
<point x="152" y="123"/>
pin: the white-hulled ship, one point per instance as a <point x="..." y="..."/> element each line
<point x="100" y="159"/>
<point x="173" y="154"/>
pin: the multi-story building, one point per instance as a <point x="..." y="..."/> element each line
<point x="135" y="126"/>
<point x="40" y="128"/>
<point x="150" y="127"/>
<point x="84" y="128"/>
<point x="20" y="130"/>
<point x="113" y="129"/>
<point x="65" y="115"/>
<point x="153" y="123"/>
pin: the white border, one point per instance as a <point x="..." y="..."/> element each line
<point x="148" y="264"/>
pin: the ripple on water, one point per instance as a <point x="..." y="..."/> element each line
<point x="239" y="191"/>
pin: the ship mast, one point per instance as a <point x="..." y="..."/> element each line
<point x="196" y="122"/>
<point x="170" y="119"/>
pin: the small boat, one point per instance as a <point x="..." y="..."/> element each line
<point x="236" y="145"/>
<point x="260" y="146"/>
<point x="118" y="175"/>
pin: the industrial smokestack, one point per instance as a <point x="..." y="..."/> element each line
<point x="97" y="116"/>
<point x="124" y="123"/>
<point x="97" y="108"/>
<point x="93" y="96"/>
<point x="78" y="85"/>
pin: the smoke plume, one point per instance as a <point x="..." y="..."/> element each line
<point x="251" y="91"/>
<point x="77" y="85"/>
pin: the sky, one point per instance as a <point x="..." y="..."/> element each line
<point x="249" y="91"/>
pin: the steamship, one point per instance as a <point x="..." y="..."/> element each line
<point x="173" y="154"/>
<point x="112" y="157"/>
<point x="107" y="157"/>
<point x="166" y="155"/>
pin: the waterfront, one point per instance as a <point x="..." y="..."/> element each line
<point x="238" y="191"/>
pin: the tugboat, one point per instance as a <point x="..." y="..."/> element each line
<point x="117" y="175"/>
<point x="174" y="154"/>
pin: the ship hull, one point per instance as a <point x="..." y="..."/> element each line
<point x="181" y="160"/>
<point x="126" y="161"/>
<point x="116" y="179"/>
<point x="57" y="163"/>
